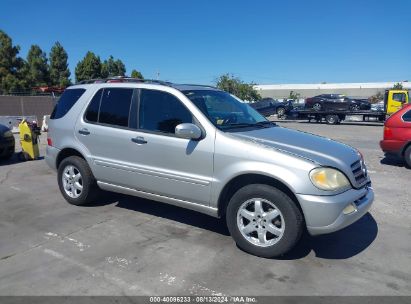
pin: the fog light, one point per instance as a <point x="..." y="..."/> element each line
<point x="350" y="209"/>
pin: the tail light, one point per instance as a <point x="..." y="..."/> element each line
<point x="387" y="132"/>
<point x="49" y="142"/>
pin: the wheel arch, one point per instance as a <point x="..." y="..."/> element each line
<point x="251" y="178"/>
<point x="67" y="152"/>
<point x="407" y="144"/>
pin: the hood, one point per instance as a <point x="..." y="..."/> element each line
<point x="317" y="149"/>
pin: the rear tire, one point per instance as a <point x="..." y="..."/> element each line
<point x="407" y="156"/>
<point x="76" y="181"/>
<point x="267" y="229"/>
<point x="280" y="111"/>
<point x="317" y="106"/>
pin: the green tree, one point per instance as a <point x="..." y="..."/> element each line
<point x="11" y="76"/>
<point x="136" y="74"/>
<point x="294" y="96"/>
<point x="89" y="67"/>
<point x="37" y="73"/>
<point x="376" y="98"/>
<point x="398" y="86"/>
<point x="111" y="68"/>
<point x="237" y="87"/>
<point x="59" y="71"/>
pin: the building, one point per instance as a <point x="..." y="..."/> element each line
<point x="362" y="90"/>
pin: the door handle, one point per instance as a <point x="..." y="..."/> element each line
<point x="139" y="140"/>
<point x="84" y="131"/>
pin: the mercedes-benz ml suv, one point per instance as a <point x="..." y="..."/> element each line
<point x="200" y="148"/>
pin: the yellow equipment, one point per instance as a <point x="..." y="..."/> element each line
<point x="29" y="133"/>
<point x="394" y="100"/>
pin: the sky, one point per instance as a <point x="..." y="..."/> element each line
<point x="265" y="42"/>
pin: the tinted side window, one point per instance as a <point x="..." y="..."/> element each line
<point x="115" y="106"/>
<point x="93" y="107"/>
<point x="407" y="116"/>
<point x="260" y="104"/>
<point x="66" y="102"/>
<point x="161" y="112"/>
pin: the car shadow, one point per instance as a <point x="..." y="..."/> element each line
<point x="392" y="161"/>
<point x="342" y="244"/>
<point x="166" y="211"/>
<point x="15" y="159"/>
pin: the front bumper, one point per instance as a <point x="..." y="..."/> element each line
<point x="325" y="214"/>
<point x="51" y="157"/>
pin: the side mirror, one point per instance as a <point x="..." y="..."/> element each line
<point x="188" y="131"/>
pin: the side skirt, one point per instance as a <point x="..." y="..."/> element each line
<point x="160" y="198"/>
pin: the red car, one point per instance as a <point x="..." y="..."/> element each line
<point x="397" y="135"/>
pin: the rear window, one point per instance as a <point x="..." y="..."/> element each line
<point x="66" y="102"/>
<point x="115" y="106"/>
<point x="407" y="116"/>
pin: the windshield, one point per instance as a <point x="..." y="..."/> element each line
<point x="225" y="111"/>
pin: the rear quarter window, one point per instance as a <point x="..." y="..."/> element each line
<point x="407" y="116"/>
<point x="66" y="102"/>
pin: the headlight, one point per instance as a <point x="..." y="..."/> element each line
<point x="8" y="134"/>
<point x="328" y="179"/>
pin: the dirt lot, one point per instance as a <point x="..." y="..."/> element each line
<point x="131" y="246"/>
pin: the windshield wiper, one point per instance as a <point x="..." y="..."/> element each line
<point x="265" y="123"/>
<point x="261" y="124"/>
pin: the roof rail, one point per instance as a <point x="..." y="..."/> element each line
<point x="123" y="79"/>
<point x="198" y="85"/>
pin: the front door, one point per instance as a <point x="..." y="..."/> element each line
<point x="395" y="101"/>
<point x="163" y="163"/>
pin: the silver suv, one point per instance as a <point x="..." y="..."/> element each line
<point x="201" y="148"/>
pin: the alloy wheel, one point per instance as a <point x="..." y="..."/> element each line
<point x="72" y="181"/>
<point x="317" y="106"/>
<point x="260" y="222"/>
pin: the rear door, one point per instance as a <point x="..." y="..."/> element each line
<point x="106" y="129"/>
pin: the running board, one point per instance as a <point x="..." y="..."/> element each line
<point x="160" y="198"/>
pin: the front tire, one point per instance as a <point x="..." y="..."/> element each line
<point x="407" y="156"/>
<point x="263" y="220"/>
<point x="76" y="181"/>
<point x="355" y="107"/>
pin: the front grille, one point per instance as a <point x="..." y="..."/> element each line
<point x="359" y="172"/>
